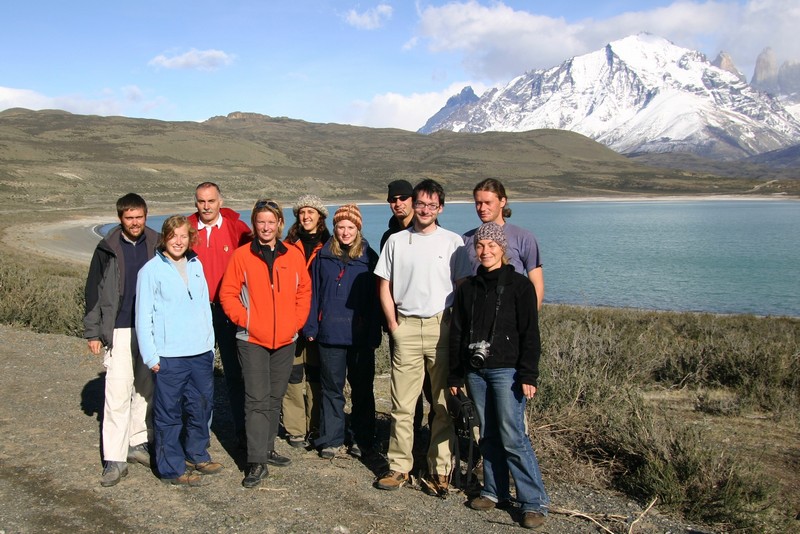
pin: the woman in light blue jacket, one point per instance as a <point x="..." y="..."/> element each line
<point x="176" y="340"/>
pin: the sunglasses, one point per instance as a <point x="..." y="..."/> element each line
<point x="267" y="203"/>
<point x="401" y="198"/>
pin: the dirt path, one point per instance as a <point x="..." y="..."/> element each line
<point x="51" y="393"/>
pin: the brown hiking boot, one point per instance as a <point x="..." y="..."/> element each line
<point x="206" y="468"/>
<point x="392" y="480"/>
<point x="532" y="520"/>
<point x="482" y="503"/>
<point x="186" y="479"/>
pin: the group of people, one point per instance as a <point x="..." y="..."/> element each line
<point x="295" y="318"/>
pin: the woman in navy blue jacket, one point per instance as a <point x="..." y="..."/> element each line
<point x="345" y="321"/>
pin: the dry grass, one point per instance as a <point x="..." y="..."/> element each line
<point x="696" y="410"/>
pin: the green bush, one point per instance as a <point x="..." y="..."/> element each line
<point x="39" y="295"/>
<point x="592" y="421"/>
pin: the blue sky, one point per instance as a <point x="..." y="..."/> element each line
<point x="379" y="63"/>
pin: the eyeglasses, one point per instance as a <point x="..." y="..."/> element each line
<point x="421" y="205"/>
<point x="267" y="203"/>
<point x="401" y="198"/>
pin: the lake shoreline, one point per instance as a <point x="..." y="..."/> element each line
<point x="74" y="238"/>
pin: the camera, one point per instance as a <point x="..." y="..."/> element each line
<point x="479" y="351"/>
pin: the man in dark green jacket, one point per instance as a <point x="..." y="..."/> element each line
<point x="108" y="327"/>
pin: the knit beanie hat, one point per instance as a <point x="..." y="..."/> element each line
<point x="399" y="188"/>
<point x="494" y="232"/>
<point x="310" y="201"/>
<point x="349" y="212"/>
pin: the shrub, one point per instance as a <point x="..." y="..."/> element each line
<point x="592" y="422"/>
<point x="44" y="297"/>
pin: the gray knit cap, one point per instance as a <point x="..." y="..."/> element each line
<point x="494" y="232"/>
<point x="310" y="201"/>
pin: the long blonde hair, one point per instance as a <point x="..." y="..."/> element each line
<point x="356" y="249"/>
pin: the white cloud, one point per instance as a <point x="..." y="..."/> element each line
<point x="407" y="112"/>
<point x="206" y="60"/>
<point x="371" y="19"/>
<point x="497" y="42"/>
<point x="23" y="98"/>
<point x="109" y="104"/>
<point x="132" y="93"/>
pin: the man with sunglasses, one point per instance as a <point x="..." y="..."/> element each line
<point x="416" y="293"/>
<point x="399" y="199"/>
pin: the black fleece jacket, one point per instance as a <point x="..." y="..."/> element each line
<point x="516" y="342"/>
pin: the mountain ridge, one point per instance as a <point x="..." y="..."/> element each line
<point x="638" y="94"/>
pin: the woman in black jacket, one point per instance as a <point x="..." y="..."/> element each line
<point x="495" y="348"/>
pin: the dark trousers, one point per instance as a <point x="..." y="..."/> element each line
<point x="357" y="364"/>
<point x="182" y="386"/>
<point x="225" y="334"/>
<point x="266" y="375"/>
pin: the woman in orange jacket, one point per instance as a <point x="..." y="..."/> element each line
<point x="266" y="291"/>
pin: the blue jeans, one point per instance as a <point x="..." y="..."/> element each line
<point x="357" y="364"/>
<point x="498" y="397"/>
<point x="183" y="386"/>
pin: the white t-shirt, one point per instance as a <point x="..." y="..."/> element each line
<point x="419" y="268"/>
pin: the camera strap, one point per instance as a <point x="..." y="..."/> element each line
<point x="494" y="319"/>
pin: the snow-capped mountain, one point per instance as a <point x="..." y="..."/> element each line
<point x="639" y="94"/>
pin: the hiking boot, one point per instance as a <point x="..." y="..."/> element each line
<point x="255" y="474"/>
<point x="392" y="480"/>
<point x="140" y="453"/>
<point x="482" y="503"/>
<point x="188" y="478"/>
<point x="298" y="442"/>
<point x="112" y="473"/>
<point x="277" y="460"/>
<point x="532" y="520"/>
<point x="328" y="453"/>
<point x="206" y="468"/>
<point x="436" y="485"/>
<point x="355" y="451"/>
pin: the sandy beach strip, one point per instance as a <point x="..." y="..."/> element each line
<point x="71" y="240"/>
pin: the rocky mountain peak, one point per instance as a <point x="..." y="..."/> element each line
<point x="642" y="93"/>
<point x="725" y="62"/>
<point x="765" y="74"/>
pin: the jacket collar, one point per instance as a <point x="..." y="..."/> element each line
<point x="190" y="255"/>
<point x="280" y="247"/>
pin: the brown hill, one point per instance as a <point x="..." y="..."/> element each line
<point x="56" y="159"/>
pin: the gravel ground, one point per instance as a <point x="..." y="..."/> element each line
<point x="51" y="392"/>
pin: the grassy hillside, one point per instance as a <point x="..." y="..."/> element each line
<point x="53" y="159"/>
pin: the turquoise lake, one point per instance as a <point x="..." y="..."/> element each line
<point x="716" y="256"/>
